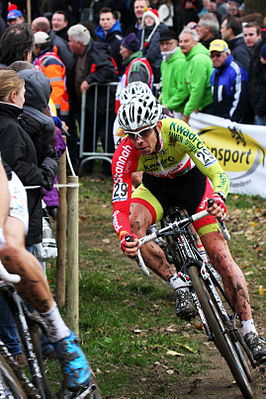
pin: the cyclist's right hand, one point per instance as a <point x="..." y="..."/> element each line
<point x="129" y="244"/>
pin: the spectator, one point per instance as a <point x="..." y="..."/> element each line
<point x="14" y="17"/>
<point x="190" y="13"/>
<point x="47" y="61"/>
<point x="263" y="54"/>
<point x="60" y="24"/>
<point x="231" y="31"/>
<point x="2" y="25"/>
<point x="196" y="4"/>
<point x="94" y="64"/>
<point x="252" y="35"/>
<point x="234" y="8"/>
<point x="16" y="44"/>
<point x="109" y="32"/>
<point x="174" y="90"/>
<point x="228" y="83"/>
<point x="198" y="72"/>
<point x="139" y="8"/>
<point x="256" y="83"/>
<point x="205" y="8"/>
<point x="150" y="46"/>
<point x="137" y="67"/>
<point x="166" y="13"/>
<point x="32" y="169"/>
<point x="19" y="154"/>
<point x="42" y="24"/>
<point x="222" y="9"/>
<point x="208" y="29"/>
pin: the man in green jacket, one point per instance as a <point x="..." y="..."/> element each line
<point x="198" y="71"/>
<point x="174" y="91"/>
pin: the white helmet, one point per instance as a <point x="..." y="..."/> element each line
<point x="134" y="89"/>
<point x="139" y="112"/>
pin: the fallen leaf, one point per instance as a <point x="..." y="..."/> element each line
<point x="170" y="372"/>
<point x="174" y="353"/>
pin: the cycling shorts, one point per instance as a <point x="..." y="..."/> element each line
<point x="189" y="191"/>
<point x="18" y="201"/>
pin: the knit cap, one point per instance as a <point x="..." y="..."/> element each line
<point x="263" y="52"/>
<point x="149" y="12"/>
<point x="131" y="42"/>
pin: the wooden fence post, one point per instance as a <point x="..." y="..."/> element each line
<point x="61" y="234"/>
<point x="73" y="254"/>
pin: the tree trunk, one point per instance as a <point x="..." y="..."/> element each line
<point x="255" y="6"/>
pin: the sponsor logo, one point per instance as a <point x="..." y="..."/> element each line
<point x="234" y="150"/>
<point x="121" y="163"/>
<point x="116" y="224"/>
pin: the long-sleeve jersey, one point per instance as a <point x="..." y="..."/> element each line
<point x="181" y="149"/>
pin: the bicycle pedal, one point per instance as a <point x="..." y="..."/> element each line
<point x="86" y="392"/>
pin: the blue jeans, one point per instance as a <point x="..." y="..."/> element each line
<point x="8" y="329"/>
<point x="260" y="120"/>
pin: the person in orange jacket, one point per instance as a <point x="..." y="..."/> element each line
<point x="48" y="62"/>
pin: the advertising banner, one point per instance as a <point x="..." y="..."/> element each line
<point x="239" y="148"/>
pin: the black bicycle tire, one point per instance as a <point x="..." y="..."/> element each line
<point x="222" y="341"/>
<point x="36" y="339"/>
<point x="241" y="352"/>
<point x="11" y="380"/>
<point x="243" y="361"/>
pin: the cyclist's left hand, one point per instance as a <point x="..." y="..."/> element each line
<point x="218" y="209"/>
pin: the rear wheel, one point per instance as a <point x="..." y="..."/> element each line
<point x="221" y="338"/>
<point x="9" y="383"/>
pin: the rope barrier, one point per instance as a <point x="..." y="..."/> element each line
<point x="70" y="185"/>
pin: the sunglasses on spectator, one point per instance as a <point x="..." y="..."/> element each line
<point x="216" y="55"/>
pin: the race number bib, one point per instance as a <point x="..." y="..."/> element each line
<point x="206" y="157"/>
<point x="120" y="192"/>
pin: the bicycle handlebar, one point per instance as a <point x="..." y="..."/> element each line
<point x="8" y="277"/>
<point x="175" y="226"/>
<point x="139" y="259"/>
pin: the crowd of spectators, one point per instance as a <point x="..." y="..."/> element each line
<point x="122" y="31"/>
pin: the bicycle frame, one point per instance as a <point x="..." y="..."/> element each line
<point x="185" y="255"/>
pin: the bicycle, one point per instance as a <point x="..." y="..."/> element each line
<point x="33" y="383"/>
<point x="216" y="312"/>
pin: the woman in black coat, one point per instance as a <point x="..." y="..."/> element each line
<point x="19" y="152"/>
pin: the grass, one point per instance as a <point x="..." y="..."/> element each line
<point x="134" y="341"/>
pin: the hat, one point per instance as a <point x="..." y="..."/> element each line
<point x="168" y="34"/>
<point x="263" y="51"/>
<point x="41" y="38"/>
<point x="218" y="45"/>
<point x="131" y="42"/>
<point x="12" y="7"/>
<point x="14" y="14"/>
<point x="151" y="12"/>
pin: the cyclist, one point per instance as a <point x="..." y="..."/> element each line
<point x="33" y="286"/>
<point x="178" y="170"/>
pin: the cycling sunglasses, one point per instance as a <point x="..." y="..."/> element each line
<point x="141" y="134"/>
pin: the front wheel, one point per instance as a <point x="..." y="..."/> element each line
<point x="221" y="338"/>
<point x="10" y="386"/>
